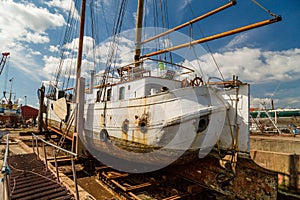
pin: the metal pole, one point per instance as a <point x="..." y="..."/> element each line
<point x="7" y="186"/>
<point x="5" y="170"/>
<point x="75" y="178"/>
<point x="37" y="148"/>
<point x="33" y="150"/>
<point x="45" y="156"/>
<point x="56" y="166"/>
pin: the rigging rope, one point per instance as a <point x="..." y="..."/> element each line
<point x="268" y="11"/>
<point x="206" y="44"/>
<point x="65" y="39"/>
<point x="113" y="43"/>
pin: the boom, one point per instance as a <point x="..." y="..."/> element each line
<point x="3" y="61"/>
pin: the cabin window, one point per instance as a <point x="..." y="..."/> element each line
<point x="122" y="93"/>
<point x="52" y="92"/>
<point x="61" y="94"/>
<point x="98" y="96"/>
<point x="109" y="94"/>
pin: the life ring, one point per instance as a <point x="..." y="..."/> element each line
<point x="197" y="81"/>
<point x="104" y="135"/>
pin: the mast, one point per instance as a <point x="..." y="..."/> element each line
<point x="77" y="112"/>
<point x="80" y="46"/>
<point x="139" y="22"/>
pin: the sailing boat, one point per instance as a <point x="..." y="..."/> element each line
<point x="145" y="115"/>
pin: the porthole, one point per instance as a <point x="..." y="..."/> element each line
<point x="203" y="123"/>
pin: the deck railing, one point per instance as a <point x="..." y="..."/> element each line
<point x="71" y="155"/>
<point x="6" y="172"/>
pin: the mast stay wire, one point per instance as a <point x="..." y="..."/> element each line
<point x="65" y="38"/>
<point x="113" y="43"/>
<point x="167" y="25"/>
<point x="207" y="46"/>
<point x="265" y="9"/>
<point x="94" y="30"/>
<point x="94" y="27"/>
<point x="194" y="51"/>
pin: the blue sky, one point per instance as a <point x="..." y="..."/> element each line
<point x="268" y="57"/>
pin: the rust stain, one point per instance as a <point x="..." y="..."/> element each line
<point x="247" y="181"/>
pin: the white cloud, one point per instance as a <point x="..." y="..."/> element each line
<point x="23" y="24"/>
<point x="255" y="65"/>
<point x="53" y="48"/>
<point x="239" y="39"/>
<point x="259" y="102"/>
<point x="65" y="5"/>
<point x="35" y="38"/>
<point x="183" y="4"/>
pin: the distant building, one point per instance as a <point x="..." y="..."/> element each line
<point x="29" y="113"/>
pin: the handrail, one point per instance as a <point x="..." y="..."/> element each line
<point x="5" y="155"/>
<point x="72" y="154"/>
<point x="53" y="145"/>
<point x="6" y="172"/>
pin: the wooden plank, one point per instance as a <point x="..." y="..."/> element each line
<point x="130" y="188"/>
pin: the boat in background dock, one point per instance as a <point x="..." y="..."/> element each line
<point x="10" y="111"/>
<point x="275" y="120"/>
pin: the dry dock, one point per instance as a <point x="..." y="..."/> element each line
<point x="101" y="182"/>
<point x="280" y="154"/>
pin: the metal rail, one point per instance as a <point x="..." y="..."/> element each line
<point x="6" y="172"/>
<point x="35" y="139"/>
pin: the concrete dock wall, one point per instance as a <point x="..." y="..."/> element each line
<point x="280" y="154"/>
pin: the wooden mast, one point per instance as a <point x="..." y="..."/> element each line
<point x="80" y="45"/>
<point x="138" y="39"/>
<point x="79" y="98"/>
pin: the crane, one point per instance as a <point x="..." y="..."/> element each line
<point x="3" y="60"/>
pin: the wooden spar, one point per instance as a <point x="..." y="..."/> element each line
<point x="139" y="22"/>
<point x="79" y="59"/>
<point x="232" y="2"/>
<point x="213" y="37"/>
<point x="80" y="45"/>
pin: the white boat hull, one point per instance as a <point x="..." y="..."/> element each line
<point x="169" y="125"/>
